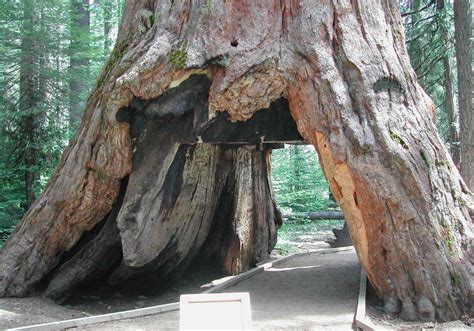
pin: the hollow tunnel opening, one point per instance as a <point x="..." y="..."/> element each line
<point x="199" y="190"/>
<point x="312" y="219"/>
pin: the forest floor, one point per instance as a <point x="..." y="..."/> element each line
<point x="293" y="237"/>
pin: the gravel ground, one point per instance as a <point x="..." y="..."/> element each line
<point x="16" y="312"/>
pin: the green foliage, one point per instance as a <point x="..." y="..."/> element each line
<point x="395" y="137"/>
<point x="429" y="32"/>
<point x="298" y="181"/>
<point x="206" y="7"/>
<point x="39" y="40"/>
<point x="179" y="55"/>
<point x="299" y="185"/>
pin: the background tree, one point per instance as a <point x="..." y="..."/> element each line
<point x="42" y="52"/>
<point x="430" y="41"/>
<point x="307" y="191"/>
<point x="79" y="71"/>
<point x="32" y="134"/>
<point x="463" y="10"/>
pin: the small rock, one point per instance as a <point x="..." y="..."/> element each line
<point x="142" y="297"/>
<point x="391" y="305"/>
<point x="426" y="309"/>
<point x="466" y="320"/>
<point x="429" y="325"/>
<point x="140" y="304"/>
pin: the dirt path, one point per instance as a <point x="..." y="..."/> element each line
<point x="308" y="292"/>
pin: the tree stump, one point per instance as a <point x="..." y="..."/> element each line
<point x="343" y="238"/>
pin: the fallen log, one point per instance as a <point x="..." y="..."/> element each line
<point x="317" y="215"/>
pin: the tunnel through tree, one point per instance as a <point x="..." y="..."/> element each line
<point x="343" y="70"/>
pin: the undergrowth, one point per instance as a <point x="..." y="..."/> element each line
<point x="290" y="233"/>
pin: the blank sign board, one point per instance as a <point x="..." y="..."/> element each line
<point x="216" y="311"/>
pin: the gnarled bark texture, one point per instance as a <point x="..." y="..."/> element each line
<point x="343" y="68"/>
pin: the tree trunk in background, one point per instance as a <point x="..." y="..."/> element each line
<point x="463" y="34"/>
<point x="107" y="12"/>
<point x="79" y="60"/>
<point x="108" y="41"/>
<point x="448" y="93"/>
<point x="295" y="158"/>
<point x="29" y="98"/>
<point x="344" y="70"/>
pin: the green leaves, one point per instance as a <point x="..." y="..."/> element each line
<point x="429" y="32"/>
<point x="298" y="181"/>
<point x="37" y="46"/>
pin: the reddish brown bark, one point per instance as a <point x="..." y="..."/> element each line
<point x="344" y="69"/>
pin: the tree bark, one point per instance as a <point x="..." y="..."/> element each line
<point x="464" y="57"/>
<point x="344" y="70"/>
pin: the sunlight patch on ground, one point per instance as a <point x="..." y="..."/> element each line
<point x="217" y="282"/>
<point x="5" y="314"/>
<point x="293" y="268"/>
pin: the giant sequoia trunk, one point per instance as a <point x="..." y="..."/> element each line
<point x="184" y="74"/>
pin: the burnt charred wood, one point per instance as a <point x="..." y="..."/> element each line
<point x="270" y="125"/>
<point x="244" y="229"/>
<point x="222" y="192"/>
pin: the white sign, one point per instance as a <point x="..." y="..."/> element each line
<point x="216" y="311"/>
